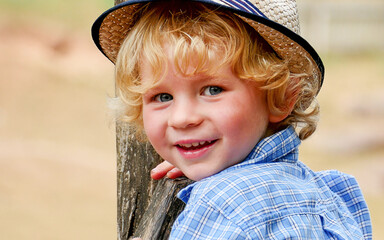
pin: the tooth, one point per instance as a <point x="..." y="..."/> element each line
<point x="202" y="143"/>
<point x="195" y="144"/>
<point x="187" y="145"/>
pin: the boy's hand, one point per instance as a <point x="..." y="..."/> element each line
<point x="165" y="169"/>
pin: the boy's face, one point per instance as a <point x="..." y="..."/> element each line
<point x="203" y="124"/>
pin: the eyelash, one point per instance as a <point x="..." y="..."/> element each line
<point x="157" y="97"/>
<point x="210" y="88"/>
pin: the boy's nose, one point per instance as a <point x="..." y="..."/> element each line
<point x="185" y="114"/>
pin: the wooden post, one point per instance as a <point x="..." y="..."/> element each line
<point x="145" y="208"/>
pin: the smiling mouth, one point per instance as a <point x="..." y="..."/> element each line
<point x="195" y="145"/>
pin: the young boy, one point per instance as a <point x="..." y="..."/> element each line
<point x="220" y="89"/>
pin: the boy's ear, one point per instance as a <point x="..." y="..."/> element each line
<point x="288" y="103"/>
<point x="282" y="114"/>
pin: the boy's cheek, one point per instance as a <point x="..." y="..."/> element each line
<point x="151" y="132"/>
<point x="148" y="121"/>
<point x="154" y="132"/>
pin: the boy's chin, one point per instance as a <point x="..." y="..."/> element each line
<point x="199" y="175"/>
<point x="196" y="178"/>
<point x="194" y="175"/>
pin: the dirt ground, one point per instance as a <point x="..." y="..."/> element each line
<point x="57" y="154"/>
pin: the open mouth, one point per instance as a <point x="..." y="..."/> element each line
<point x="195" y="145"/>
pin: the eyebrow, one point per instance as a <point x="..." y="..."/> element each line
<point x="220" y="80"/>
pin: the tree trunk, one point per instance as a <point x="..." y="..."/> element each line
<point x="146" y="208"/>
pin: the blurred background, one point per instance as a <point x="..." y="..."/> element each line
<point x="57" y="151"/>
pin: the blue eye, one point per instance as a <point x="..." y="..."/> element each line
<point x="212" y="90"/>
<point x="163" y="97"/>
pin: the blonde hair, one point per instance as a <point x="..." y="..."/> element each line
<point x="194" y="29"/>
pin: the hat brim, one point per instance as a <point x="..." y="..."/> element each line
<point x="285" y="42"/>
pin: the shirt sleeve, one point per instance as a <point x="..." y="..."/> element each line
<point x="204" y="222"/>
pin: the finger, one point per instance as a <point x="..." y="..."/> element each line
<point x="161" y="170"/>
<point x="175" y="173"/>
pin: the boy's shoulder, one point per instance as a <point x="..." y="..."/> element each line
<point x="261" y="194"/>
<point x="260" y="186"/>
<point x="244" y="196"/>
<point x="268" y="182"/>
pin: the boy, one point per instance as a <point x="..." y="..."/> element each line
<point x="220" y="88"/>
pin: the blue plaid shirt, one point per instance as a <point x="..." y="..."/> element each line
<point x="272" y="195"/>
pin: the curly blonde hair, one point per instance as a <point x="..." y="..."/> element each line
<point x="194" y="29"/>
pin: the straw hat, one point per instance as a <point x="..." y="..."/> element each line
<point x="275" y="20"/>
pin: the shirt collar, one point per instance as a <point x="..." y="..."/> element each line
<point x="279" y="147"/>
